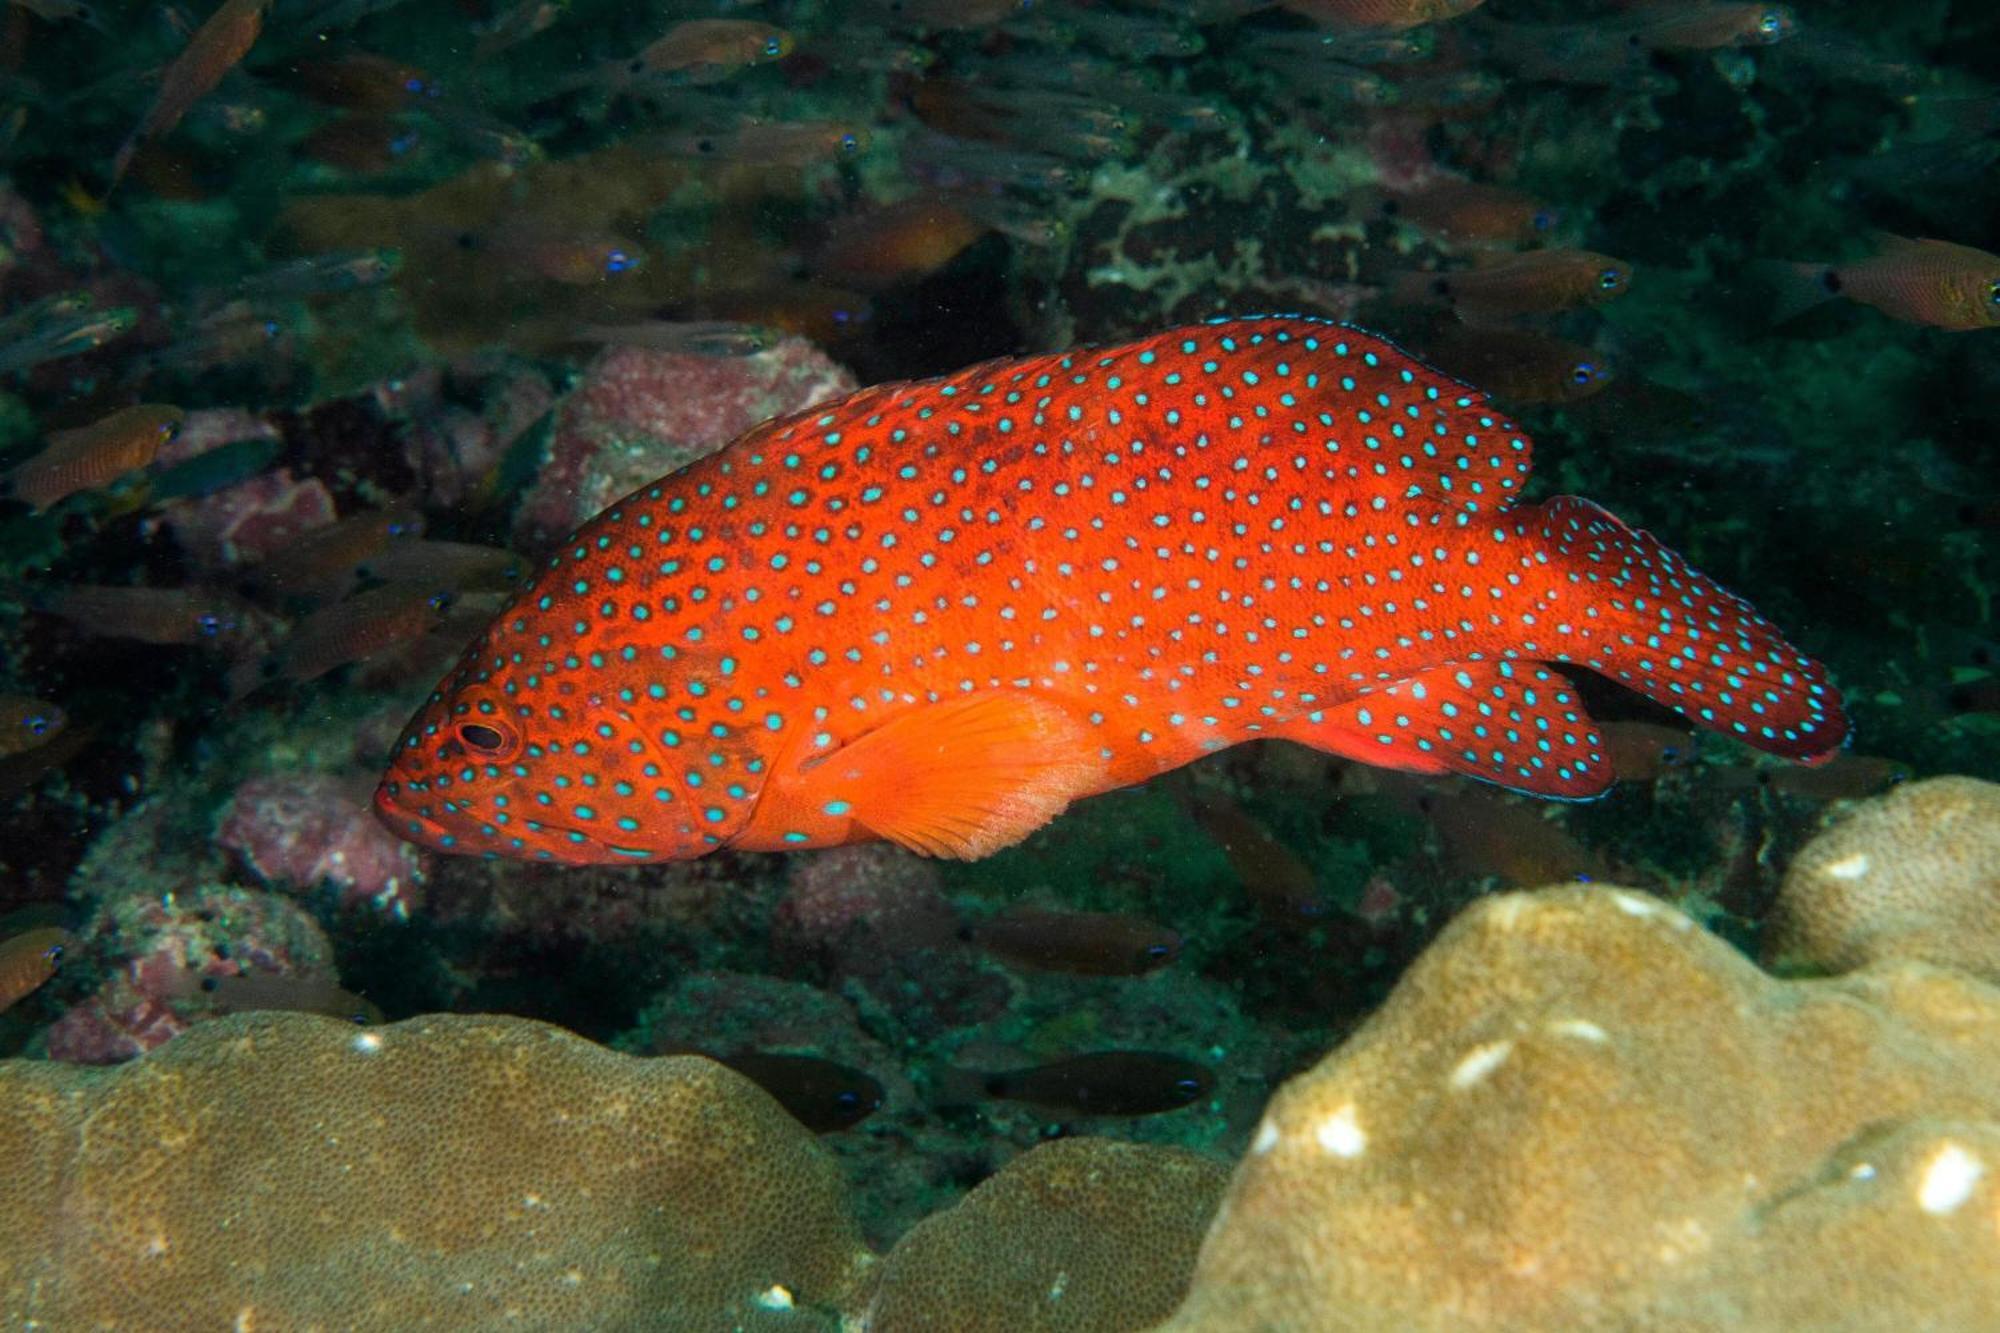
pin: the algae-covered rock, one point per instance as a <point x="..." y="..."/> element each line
<point x="1579" y="1111"/>
<point x="288" y="1171"/>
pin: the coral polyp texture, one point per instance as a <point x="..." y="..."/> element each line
<point x="284" y="1171"/>
<point x="1914" y="873"/>
<point x="1579" y="1111"/>
<point x="1091" y="1235"/>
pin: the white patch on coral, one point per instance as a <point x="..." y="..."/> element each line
<point x="775" y="1298"/>
<point x="1580" y="1028"/>
<point x="1947" y="1182"/>
<point x="1862" y="1171"/>
<point x="365" y="1043"/>
<point x="1633" y="905"/>
<point x="1479" y="1062"/>
<point x="1267" y="1138"/>
<point x="1508" y="910"/>
<point x="1850" y="867"/>
<point x="1341" y="1133"/>
<point x="1683" y="1240"/>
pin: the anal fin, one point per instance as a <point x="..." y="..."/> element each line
<point x="1514" y="723"/>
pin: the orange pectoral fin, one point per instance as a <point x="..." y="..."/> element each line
<point x="961" y="778"/>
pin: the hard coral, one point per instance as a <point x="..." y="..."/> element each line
<point x="1578" y="1111"/>
<point x="287" y="1171"/>
<point x="1911" y="874"/>
<point x="1086" y="1234"/>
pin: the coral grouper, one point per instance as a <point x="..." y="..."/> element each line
<point x="939" y="612"/>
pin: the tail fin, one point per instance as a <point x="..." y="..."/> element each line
<point x="1637" y="613"/>
<point x="1793" y="288"/>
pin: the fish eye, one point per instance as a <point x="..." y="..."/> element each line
<point x="1543" y="219"/>
<point x="1993" y="293"/>
<point x="1582" y="373"/>
<point x="618" y="261"/>
<point x="37" y="724"/>
<point x="1610" y="279"/>
<point x="774" y="47"/>
<point x="1190" y="1086"/>
<point x="849" y="142"/>
<point x="440" y="601"/>
<point x="54" y="954"/>
<point x="483" y="738"/>
<point x="1772" y="23"/>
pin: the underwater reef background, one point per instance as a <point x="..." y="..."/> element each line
<point x="323" y="323"/>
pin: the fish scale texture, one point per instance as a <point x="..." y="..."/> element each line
<point x="1090" y="1235"/>
<point x="938" y="612"/>
<point x="285" y="1171"/>
<point x="1578" y="1111"/>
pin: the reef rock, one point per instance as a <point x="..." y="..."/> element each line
<point x="286" y="1171"/>
<point x="1578" y="1111"/>
<point x="1914" y="873"/>
<point x="640" y="413"/>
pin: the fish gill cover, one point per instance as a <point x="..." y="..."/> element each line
<point x="927" y="543"/>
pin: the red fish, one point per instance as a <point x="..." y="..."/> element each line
<point x="938" y="612"/>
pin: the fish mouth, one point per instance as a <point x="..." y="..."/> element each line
<point x="406" y="823"/>
<point x="545" y="840"/>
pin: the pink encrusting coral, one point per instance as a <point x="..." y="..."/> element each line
<point x="854" y="908"/>
<point x="160" y="950"/>
<point x="640" y="413"/>
<point x="246" y="523"/>
<point x="304" y="830"/>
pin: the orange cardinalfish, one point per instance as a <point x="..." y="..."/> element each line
<point x="1947" y="286"/>
<point x="1538" y="282"/>
<point x="1519" y="365"/>
<point x="93" y="456"/>
<point x="1122" y="1083"/>
<point x="29" y="959"/>
<point x="161" y="616"/>
<point x="27" y="724"/>
<point x="1389" y="15"/>
<point x="216" y="48"/>
<point x="693" y="51"/>
<point x="1458" y="212"/>
<point x="938" y="612"/>
<point x="1097" y="944"/>
<point x="368" y="623"/>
